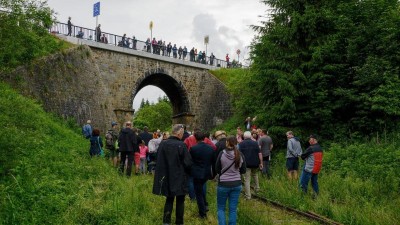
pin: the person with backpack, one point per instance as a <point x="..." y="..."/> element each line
<point x="292" y="155"/>
<point x="153" y="147"/>
<point x="229" y="166"/>
<point x="96" y="144"/>
<point x="112" y="143"/>
<point x="87" y="130"/>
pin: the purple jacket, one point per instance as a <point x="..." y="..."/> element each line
<point x="231" y="176"/>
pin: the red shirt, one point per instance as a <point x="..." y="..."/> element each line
<point x="191" y="141"/>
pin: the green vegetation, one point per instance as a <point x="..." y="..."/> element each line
<point x="24" y="33"/>
<point x="155" y="116"/>
<point x="326" y="67"/>
<point x="47" y="177"/>
<point x="329" y="67"/>
<point x="358" y="185"/>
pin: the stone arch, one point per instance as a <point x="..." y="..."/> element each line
<point x="174" y="90"/>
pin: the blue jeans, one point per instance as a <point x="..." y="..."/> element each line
<point x="192" y="194"/>
<point x="223" y="194"/>
<point x="305" y="178"/>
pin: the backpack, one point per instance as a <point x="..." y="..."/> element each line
<point x="153" y="147"/>
<point x="110" y="142"/>
<point x="86" y="131"/>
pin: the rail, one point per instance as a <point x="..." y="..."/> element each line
<point x="309" y="215"/>
<point x="139" y="45"/>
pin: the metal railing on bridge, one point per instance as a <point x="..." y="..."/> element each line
<point x="127" y="42"/>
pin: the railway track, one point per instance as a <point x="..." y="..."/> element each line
<point x="308" y="215"/>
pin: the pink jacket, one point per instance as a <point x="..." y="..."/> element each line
<point x="143" y="150"/>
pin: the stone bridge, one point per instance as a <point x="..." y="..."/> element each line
<point x="99" y="82"/>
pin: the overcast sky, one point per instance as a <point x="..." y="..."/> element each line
<point x="184" y="22"/>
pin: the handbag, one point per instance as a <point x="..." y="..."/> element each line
<point x="101" y="150"/>
<point x="222" y="172"/>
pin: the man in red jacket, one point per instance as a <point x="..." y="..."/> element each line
<point x="313" y="156"/>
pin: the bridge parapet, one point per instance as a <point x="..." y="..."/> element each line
<point x="144" y="54"/>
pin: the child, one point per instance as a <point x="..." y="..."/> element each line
<point x="143" y="151"/>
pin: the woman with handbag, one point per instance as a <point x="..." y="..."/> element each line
<point x="230" y="164"/>
<point x="96" y="144"/>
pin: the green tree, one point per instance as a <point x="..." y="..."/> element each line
<point x="156" y="116"/>
<point x="325" y="66"/>
<point x="24" y="32"/>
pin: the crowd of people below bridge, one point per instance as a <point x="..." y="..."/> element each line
<point x="158" y="47"/>
<point x="183" y="163"/>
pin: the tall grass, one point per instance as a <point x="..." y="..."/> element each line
<point x="346" y="195"/>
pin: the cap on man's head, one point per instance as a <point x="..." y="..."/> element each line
<point x="114" y="123"/>
<point x="88" y="121"/>
<point x="313" y="136"/>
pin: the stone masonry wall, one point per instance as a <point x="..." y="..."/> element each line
<point x="90" y="83"/>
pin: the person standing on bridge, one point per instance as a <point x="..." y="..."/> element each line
<point x="69" y="26"/>
<point x="169" y="48"/>
<point x="180" y="51"/>
<point x="175" y="51"/>
<point x="170" y="179"/>
<point x="191" y="55"/>
<point x="184" y="52"/>
<point x="163" y="49"/>
<point x="134" y="43"/>
<point x="212" y="57"/>
<point x="98" y="33"/>
<point x="154" y="45"/>
<point x="104" y="39"/>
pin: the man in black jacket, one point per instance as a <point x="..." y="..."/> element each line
<point x="253" y="157"/>
<point x="203" y="158"/>
<point x="170" y="178"/>
<point x="127" y="141"/>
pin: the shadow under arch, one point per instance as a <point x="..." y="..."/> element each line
<point x="174" y="90"/>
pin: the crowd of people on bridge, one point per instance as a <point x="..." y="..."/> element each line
<point x="183" y="163"/>
<point x="158" y="47"/>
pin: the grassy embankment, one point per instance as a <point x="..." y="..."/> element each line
<point x="47" y="177"/>
<point x="359" y="182"/>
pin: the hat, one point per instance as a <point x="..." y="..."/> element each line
<point x="313" y="136"/>
<point x="88" y="121"/>
<point x="114" y="123"/>
<point x="219" y="132"/>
